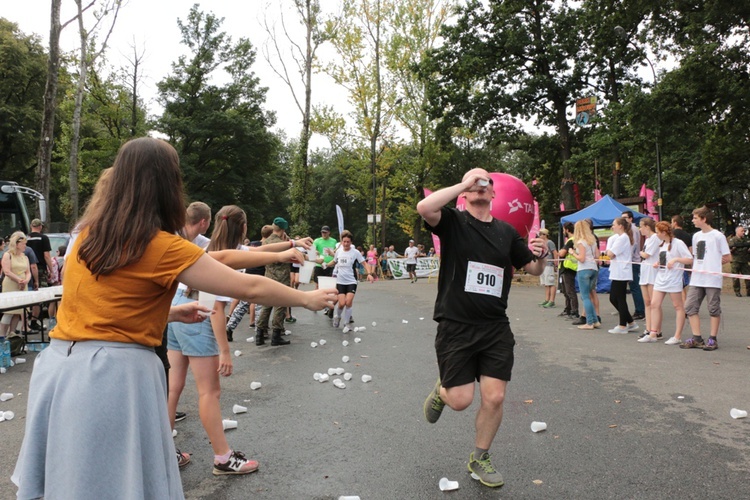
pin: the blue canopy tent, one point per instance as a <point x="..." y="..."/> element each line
<point x="602" y="213"/>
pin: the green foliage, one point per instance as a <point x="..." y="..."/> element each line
<point x="23" y="73"/>
<point x="106" y="123"/>
<point x="227" y="153"/>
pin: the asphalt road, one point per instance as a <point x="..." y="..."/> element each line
<point x="625" y="420"/>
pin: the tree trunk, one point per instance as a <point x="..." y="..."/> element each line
<point x="50" y="105"/>
<point x="76" y="132"/>
<point x="304" y="209"/>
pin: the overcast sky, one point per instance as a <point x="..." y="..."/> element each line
<point x="152" y="24"/>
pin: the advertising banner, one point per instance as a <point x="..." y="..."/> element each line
<point x="426" y="266"/>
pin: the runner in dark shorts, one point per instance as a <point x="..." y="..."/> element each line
<point x="474" y="342"/>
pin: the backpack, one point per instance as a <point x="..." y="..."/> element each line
<point x="17" y="344"/>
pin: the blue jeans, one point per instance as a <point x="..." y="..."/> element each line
<point x="586" y="283"/>
<point x="635" y="291"/>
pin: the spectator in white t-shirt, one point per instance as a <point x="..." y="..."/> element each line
<point x="668" y="269"/>
<point x="710" y="252"/>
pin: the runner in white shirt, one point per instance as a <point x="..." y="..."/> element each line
<point x="346" y="281"/>
<point x="411" y="253"/>
<point x="668" y="280"/>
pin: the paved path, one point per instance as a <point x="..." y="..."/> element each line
<point x="626" y="420"/>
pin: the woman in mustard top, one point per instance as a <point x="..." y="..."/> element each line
<point x="96" y="422"/>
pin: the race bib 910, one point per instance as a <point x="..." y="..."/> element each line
<point x="484" y="278"/>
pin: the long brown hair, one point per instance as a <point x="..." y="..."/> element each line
<point x="229" y="228"/>
<point x="625" y="223"/>
<point x="141" y="196"/>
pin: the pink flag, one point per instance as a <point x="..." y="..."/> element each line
<point x="536" y="225"/>
<point x="651" y="208"/>
<point x="597" y="195"/>
<point x="435" y="239"/>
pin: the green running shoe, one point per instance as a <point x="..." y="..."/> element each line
<point x="433" y="405"/>
<point x="484" y="471"/>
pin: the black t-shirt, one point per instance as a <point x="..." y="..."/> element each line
<point x="683" y="235"/>
<point x="39" y="243"/>
<point x="465" y="240"/>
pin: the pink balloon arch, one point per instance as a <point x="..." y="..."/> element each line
<point x="513" y="202"/>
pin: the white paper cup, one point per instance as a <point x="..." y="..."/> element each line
<point x="366" y="378"/>
<point x="734" y="413"/>
<point x="313" y="344"/>
<point x="206" y="299"/>
<point x="347" y="376"/>
<point x="322" y="342"/>
<point x="255" y="385"/>
<point x="312" y="255"/>
<point x="6" y="396"/>
<point x="238" y="353"/>
<point x="229" y="424"/>
<point x="538" y="426"/>
<point x="306" y="271"/>
<point x="239" y="409"/>
<point x="345" y="359"/>
<point x="325" y="282"/>
<point x="448" y="485"/>
<point x="323" y="378"/>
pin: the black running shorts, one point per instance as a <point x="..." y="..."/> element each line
<point x="465" y="352"/>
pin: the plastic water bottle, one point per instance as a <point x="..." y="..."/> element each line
<point x="5" y="361"/>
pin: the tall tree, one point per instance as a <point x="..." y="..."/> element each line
<point x="50" y="97"/>
<point x="108" y="11"/>
<point x="359" y="38"/>
<point x="416" y="27"/>
<point x="506" y="64"/>
<point x="220" y="131"/>
<point x="303" y="56"/>
<point x="132" y="79"/>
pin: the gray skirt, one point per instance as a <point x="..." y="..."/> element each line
<point x="97" y="425"/>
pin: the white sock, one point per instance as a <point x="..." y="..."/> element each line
<point x="337" y="312"/>
<point x="347" y="315"/>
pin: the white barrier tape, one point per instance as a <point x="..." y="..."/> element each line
<point x="690" y="270"/>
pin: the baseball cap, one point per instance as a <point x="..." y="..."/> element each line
<point x="281" y="222"/>
<point x="544" y="231"/>
<point x="325" y="229"/>
<point x="37" y="223"/>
